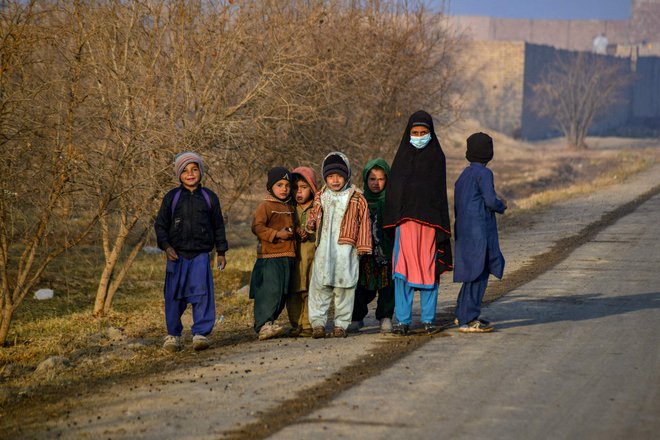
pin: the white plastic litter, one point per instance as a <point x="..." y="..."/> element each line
<point x="43" y="294"/>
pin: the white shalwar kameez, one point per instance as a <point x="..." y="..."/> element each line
<point x="336" y="266"/>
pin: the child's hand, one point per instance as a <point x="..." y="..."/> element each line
<point x="171" y="254"/>
<point x="222" y="262"/>
<point x="503" y="200"/>
<point x="302" y="233"/>
<point x="284" y="234"/>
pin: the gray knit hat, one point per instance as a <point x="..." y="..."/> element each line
<point x="182" y="160"/>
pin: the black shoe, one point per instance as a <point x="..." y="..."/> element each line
<point x="431" y="328"/>
<point x="294" y="332"/>
<point x="401" y="329"/>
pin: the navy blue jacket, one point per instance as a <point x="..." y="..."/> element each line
<point x="477" y="243"/>
<point x="193" y="228"/>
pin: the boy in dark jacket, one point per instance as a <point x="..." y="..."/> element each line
<point x="477" y="246"/>
<point x="188" y="226"/>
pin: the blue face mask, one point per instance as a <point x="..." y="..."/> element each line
<point x="420" y="142"/>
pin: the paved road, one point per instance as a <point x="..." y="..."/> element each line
<point x="576" y="355"/>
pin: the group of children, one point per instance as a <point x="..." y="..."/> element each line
<point x="340" y="245"/>
<point x="324" y="235"/>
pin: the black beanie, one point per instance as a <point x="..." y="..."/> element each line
<point x="479" y="148"/>
<point x="335" y="164"/>
<point x="275" y="174"/>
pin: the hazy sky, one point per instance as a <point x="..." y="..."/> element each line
<point x="548" y="9"/>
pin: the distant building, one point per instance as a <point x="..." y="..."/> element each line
<point x="507" y="56"/>
<point x="643" y="27"/>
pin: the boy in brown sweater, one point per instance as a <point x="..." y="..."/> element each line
<point x="273" y="225"/>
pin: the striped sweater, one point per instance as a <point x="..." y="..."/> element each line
<point x="355" y="225"/>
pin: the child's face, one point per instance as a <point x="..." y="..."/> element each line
<point x="190" y="176"/>
<point x="376" y="180"/>
<point x="303" y="192"/>
<point x="281" y="189"/>
<point x="335" y="181"/>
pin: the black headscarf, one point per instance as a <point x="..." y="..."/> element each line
<point x="417" y="188"/>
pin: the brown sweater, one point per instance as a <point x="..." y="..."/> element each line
<point x="271" y="216"/>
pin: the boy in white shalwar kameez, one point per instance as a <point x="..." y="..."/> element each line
<point x="340" y="216"/>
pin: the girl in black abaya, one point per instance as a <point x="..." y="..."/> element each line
<point x="416" y="210"/>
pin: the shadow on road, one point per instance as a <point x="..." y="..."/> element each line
<point x="519" y="311"/>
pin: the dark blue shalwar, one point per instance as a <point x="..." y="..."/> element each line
<point x="189" y="281"/>
<point x="477" y="246"/>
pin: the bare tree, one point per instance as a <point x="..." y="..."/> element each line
<point x="40" y="124"/>
<point x="125" y="52"/>
<point x="576" y="89"/>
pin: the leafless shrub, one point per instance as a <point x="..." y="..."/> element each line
<point x="40" y="119"/>
<point x="575" y="90"/>
<point x="98" y="97"/>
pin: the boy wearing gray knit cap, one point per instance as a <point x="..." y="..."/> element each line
<point x="188" y="226"/>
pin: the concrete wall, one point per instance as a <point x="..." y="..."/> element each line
<point x="646" y="91"/>
<point x="507" y="56"/>
<point x="493" y="83"/>
<point x="564" y="34"/>
<point x="642" y="28"/>
<point x="645" y="21"/>
<point x="538" y="59"/>
<point x="498" y="79"/>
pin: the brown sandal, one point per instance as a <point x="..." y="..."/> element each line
<point x="318" y="332"/>
<point x="339" y="332"/>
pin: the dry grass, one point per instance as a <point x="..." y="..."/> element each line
<point x="98" y="348"/>
<point x="630" y="162"/>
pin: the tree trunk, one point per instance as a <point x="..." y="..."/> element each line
<point x="5" y="320"/>
<point x="574" y="139"/>
<point x="111" y="260"/>
<point x="116" y="281"/>
<point x="582" y="135"/>
<point x="102" y="290"/>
